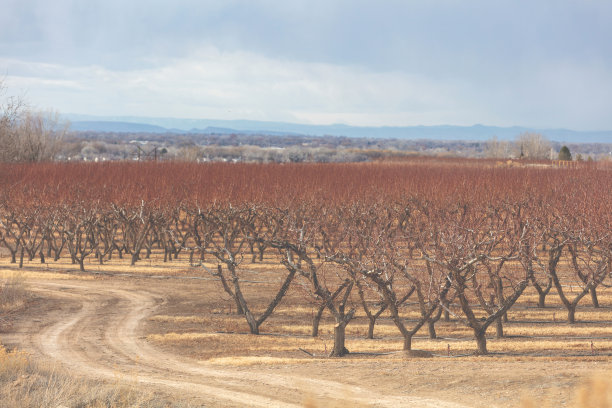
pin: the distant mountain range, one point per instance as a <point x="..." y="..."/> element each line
<point x="130" y="124"/>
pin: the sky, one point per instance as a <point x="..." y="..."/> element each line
<point x="543" y="64"/>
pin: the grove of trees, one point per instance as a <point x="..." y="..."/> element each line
<point x="27" y="135"/>
<point x="426" y="238"/>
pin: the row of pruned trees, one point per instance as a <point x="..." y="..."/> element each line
<point x="418" y="241"/>
<point x="468" y="259"/>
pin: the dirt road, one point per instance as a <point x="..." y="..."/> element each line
<point x="95" y="330"/>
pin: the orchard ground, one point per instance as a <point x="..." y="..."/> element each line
<point x="165" y="331"/>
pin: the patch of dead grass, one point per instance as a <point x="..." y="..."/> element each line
<point x="12" y="291"/>
<point x="256" y="360"/>
<point x="24" y="383"/>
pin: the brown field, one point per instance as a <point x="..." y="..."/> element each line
<point x="165" y="334"/>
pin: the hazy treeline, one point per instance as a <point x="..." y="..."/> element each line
<point x="294" y="148"/>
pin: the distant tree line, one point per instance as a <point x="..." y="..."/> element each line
<point x="292" y="148"/>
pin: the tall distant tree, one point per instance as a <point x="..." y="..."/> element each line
<point x="565" y="154"/>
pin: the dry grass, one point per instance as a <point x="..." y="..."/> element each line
<point x="251" y="361"/>
<point x="12" y="291"/>
<point x="30" y="273"/>
<point x="67" y="270"/>
<point x="24" y="383"/>
<point x="206" y="345"/>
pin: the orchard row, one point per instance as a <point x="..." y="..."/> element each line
<point x="465" y="238"/>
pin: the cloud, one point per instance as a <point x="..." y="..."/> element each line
<point x="215" y="84"/>
<point x="506" y="63"/>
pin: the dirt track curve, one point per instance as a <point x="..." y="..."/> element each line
<point x="96" y="332"/>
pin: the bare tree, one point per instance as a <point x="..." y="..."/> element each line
<point x="11" y="109"/>
<point x="497" y="149"/>
<point x="533" y="146"/>
<point x="27" y="135"/>
<point x="229" y="235"/>
<point x="39" y="136"/>
<point x="464" y="240"/>
<point x="306" y="245"/>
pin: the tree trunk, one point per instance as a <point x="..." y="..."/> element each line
<point x="407" y="342"/>
<point x="571" y="314"/>
<point x="239" y="310"/>
<point x="499" y="328"/>
<point x="21" y="258"/>
<point x="339" y="340"/>
<point x="431" y="327"/>
<point x="316" y="320"/>
<point x="253" y="326"/>
<point x="446" y="312"/>
<point x="134" y="258"/>
<point x="371" y="328"/>
<point x="594" y="297"/>
<point x="481" y="341"/>
<point x="542" y="300"/>
<point x="228" y="290"/>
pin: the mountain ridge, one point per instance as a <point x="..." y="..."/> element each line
<point x="478" y="132"/>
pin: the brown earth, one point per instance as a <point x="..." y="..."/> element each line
<point x="103" y="328"/>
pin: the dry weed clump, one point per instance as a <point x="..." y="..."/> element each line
<point x="24" y="383"/>
<point x="12" y="291"/>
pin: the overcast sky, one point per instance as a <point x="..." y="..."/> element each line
<point x="530" y="63"/>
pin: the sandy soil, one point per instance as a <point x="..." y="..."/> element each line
<point x="96" y="328"/>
